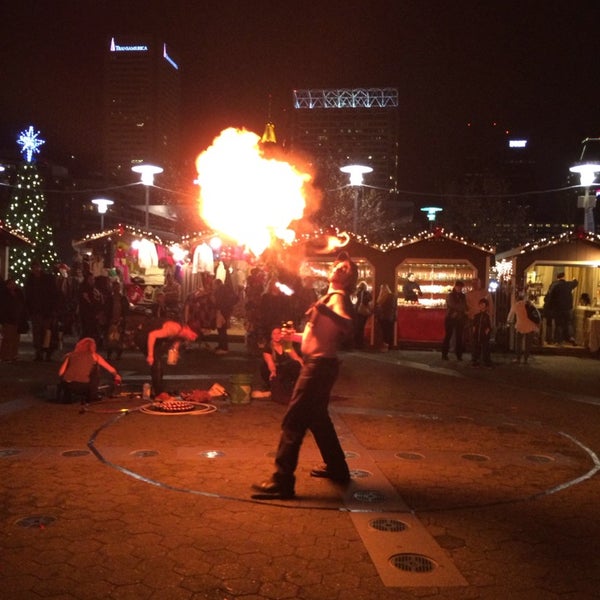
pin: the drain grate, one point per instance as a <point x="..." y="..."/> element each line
<point x="410" y="455"/>
<point x="71" y="453"/>
<point x="36" y="521"/>
<point x="391" y="525"/>
<point x="475" y="457"/>
<point x="368" y="496"/>
<point x="539" y="458"/>
<point x="413" y="563"/>
<point x="9" y="452"/>
<point x="359" y="474"/>
<point x="144" y="453"/>
<point x="212" y="454"/>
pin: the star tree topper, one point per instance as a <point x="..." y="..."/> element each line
<point x="29" y="142"/>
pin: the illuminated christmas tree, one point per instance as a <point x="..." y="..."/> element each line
<point x="27" y="212"/>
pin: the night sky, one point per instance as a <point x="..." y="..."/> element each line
<point x="532" y="67"/>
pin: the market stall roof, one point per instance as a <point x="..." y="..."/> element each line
<point x="571" y="237"/>
<point x="345" y="238"/>
<point x="12" y="237"/>
<point x="125" y="232"/>
<point x="435" y="234"/>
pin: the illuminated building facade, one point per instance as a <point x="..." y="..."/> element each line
<point x="141" y="105"/>
<point x="358" y="125"/>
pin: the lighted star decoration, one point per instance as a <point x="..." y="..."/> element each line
<point x="30" y="143"/>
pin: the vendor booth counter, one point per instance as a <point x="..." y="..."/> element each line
<point x="420" y="324"/>
<point x="535" y="266"/>
<point x="437" y="260"/>
<point x="423" y="321"/>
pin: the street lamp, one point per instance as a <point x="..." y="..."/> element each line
<point x="431" y="212"/>
<point x="587" y="168"/>
<point x="147" y="173"/>
<point x="102" y="205"/>
<point x="356" y="173"/>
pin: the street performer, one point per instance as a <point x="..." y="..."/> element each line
<point x="330" y="323"/>
<point x="167" y="337"/>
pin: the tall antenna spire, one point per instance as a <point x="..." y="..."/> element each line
<point x="268" y="136"/>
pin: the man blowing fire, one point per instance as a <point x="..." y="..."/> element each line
<point x="330" y="324"/>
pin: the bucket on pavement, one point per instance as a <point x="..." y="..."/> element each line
<point x="241" y="388"/>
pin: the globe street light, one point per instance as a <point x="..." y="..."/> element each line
<point x="102" y="205"/>
<point x="356" y="173"/>
<point x="587" y="168"/>
<point x="431" y="213"/>
<point x="147" y="173"/>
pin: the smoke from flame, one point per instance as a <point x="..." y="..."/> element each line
<point x="246" y="196"/>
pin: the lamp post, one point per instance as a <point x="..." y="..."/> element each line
<point x="147" y="173"/>
<point x="587" y="168"/>
<point x="356" y="173"/>
<point x="431" y="212"/>
<point x="102" y="205"/>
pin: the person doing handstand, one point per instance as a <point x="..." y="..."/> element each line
<point x="280" y="367"/>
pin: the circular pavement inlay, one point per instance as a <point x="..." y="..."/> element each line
<point x="391" y="525"/>
<point x="359" y="473"/>
<point x="71" y="453"/>
<point x="9" y="452"/>
<point x="144" y="453"/>
<point x="413" y="563"/>
<point x="36" y="521"/>
<point x="409" y="455"/>
<point x="475" y="457"/>
<point x="539" y="458"/>
<point x="368" y="496"/>
<point x="212" y="454"/>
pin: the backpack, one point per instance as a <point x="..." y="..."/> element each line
<point x="533" y="314"/>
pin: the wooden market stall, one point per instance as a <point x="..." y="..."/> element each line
<point x="534" y="266"/>
<point x="437" y="259"/>
<point x="138" y="259"/>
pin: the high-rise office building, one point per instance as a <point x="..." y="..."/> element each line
<point x="350" y="126"/>
<point x="141" y="105"/>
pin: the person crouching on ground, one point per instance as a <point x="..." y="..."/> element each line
<point x="166" y="338"/>
<point x="330" y="324"/>
<point x="79" y="372"/>
<point x="280" y="367"/>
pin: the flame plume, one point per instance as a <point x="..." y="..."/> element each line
<point x="247" y="197"/>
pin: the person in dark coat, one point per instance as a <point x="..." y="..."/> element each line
<point x="560" y="303"/>
<point x="13" y="315"/>
<point x="364" y="309"/>
<point x="454" y="323"/>
<point x="481" y="330"/>
<point x="225" y="299"/>
<point x="385" y="316"/>
<point x="117" y="308"/>
<point x="41" y="302"/>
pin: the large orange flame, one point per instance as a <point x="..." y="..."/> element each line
<point x="246" y="196"/>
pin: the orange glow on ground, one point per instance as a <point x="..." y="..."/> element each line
<point x="247" y="197"/>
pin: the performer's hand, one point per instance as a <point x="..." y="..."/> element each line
<point x="150" y="360"/>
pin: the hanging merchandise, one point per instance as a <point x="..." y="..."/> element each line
<point x="203" y="261"/>
<point x="147" y="254"/>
